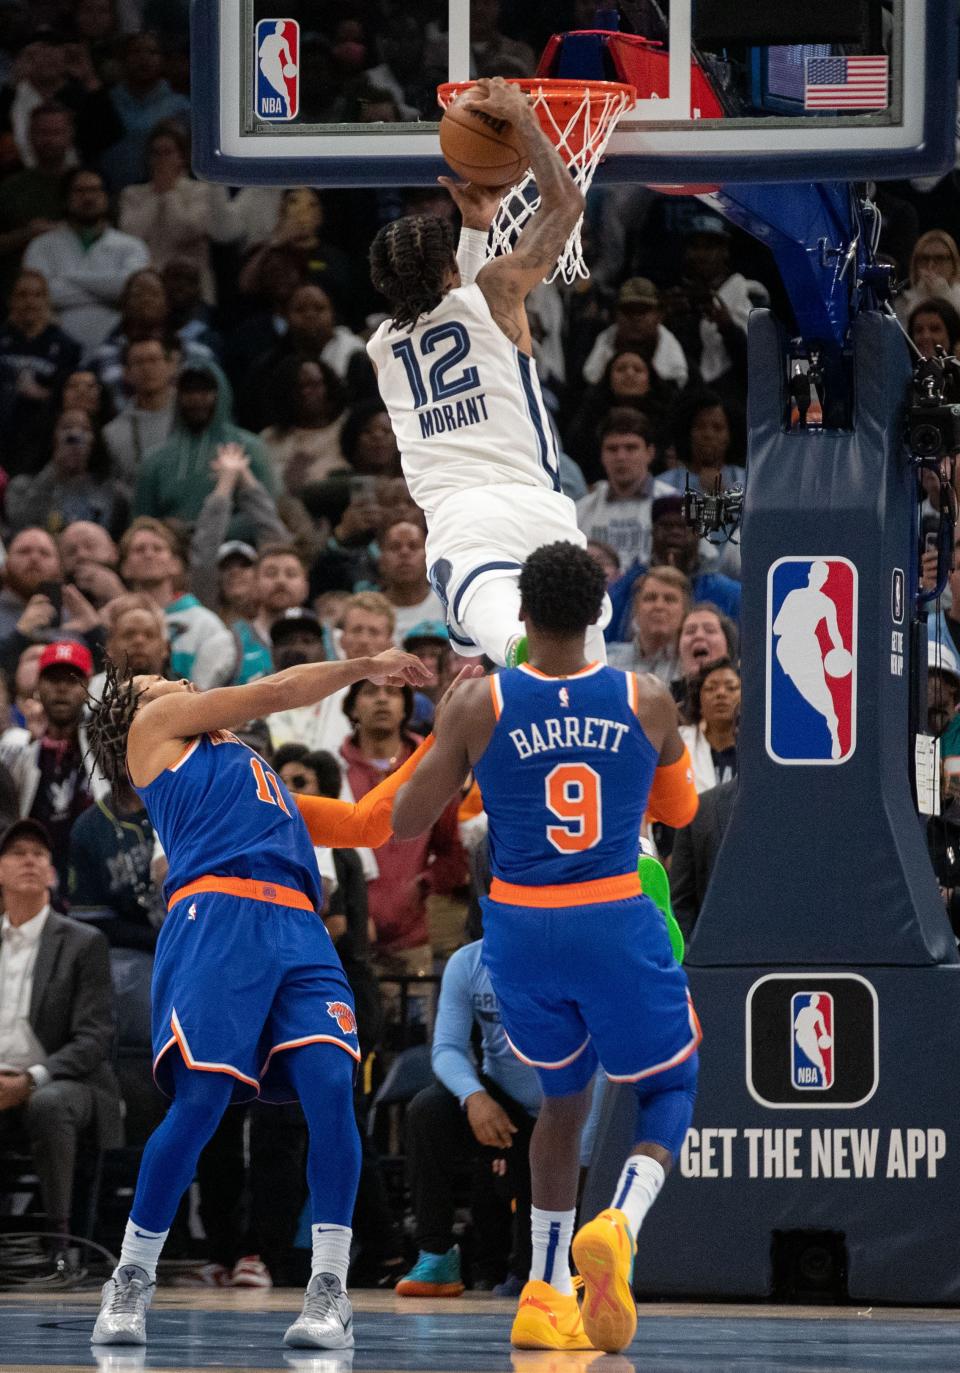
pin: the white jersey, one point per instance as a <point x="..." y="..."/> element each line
<point x="465" y="404"/>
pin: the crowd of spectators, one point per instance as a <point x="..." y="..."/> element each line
<point x="197" y="476"/>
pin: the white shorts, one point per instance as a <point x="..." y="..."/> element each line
<point x="488" y="532"/>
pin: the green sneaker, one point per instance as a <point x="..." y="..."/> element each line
<point x="433" y="1275"/>
<point x="518" y="652"/>
<point x="656" y="885"/>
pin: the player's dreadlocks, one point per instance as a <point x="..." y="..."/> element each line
<point x="562" y="588"/>
<point x="109" y="724"/>
<point x="409" y="260"/>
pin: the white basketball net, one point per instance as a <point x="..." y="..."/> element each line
<point x="581" y="141"/>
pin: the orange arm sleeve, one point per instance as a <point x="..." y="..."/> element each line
<point x="673" y="797"/>
<point x="362" y="824"/>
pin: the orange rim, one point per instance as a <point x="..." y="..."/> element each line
<point x="551" y="88"/>
<point x="564" y="99"/>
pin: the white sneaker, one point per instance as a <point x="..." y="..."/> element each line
<point x="123" y="1307"/>
<point x="326" y="1321"/>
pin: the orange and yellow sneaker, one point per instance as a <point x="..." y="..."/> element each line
<point x="603" y="1252"/>
<point x="547" y="1319"/>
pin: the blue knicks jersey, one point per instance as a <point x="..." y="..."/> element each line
<point x="221" y="811"/>
<point x="566" y="776"/>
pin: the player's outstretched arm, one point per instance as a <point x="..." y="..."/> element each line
<point x="185" y="714"/>
<point x="461" y="733"/>
<point x="365" y="823"/>
<point x="507" y="280"/>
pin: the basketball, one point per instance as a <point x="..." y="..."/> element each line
<point x="825" y="1041"/>
<point x="289" y="70"/>
<point x="838" y="663"/>
<point x="481" y="148"/>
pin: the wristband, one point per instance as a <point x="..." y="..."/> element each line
<point x="471" y="254"/>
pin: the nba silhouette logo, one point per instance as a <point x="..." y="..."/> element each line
<point x="897" y="583"/>
<point x="811" y="661"/>
<point x="277" y="61"/>
<point x="812" y="1043"/>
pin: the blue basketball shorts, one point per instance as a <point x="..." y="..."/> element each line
<point x="238" y="981"/>
<point x="582" y="985"/>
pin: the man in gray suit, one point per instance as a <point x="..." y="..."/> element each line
<point x="56" y="1024"/>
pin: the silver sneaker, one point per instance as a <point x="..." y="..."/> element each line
<point x="123" y="1307"/>
<point x="326" y="1321"/>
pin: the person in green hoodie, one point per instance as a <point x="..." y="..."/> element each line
<point x="176" y="478"/>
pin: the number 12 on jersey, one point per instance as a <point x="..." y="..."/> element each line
<point x="442" y="385"/>
<point x="573" y="796"/>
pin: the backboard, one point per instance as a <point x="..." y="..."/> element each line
<point x="289" y="92"/>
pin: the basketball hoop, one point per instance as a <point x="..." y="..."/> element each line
<point x="578" y="117"/>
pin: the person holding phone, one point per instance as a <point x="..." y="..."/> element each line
<point x="74" y="485"/>
<point x="372" y="502"/>
<point x="35" y="600"/>
<point x="708" y="310"/>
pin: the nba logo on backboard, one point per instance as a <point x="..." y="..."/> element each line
<point x="811" y="660"/>
<point x="812" y="1046"/>
<point x="277" y="59"/>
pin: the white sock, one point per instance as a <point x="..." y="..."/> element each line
<point x="638" y="1189"/>
<point x="141" y="1247"/>
<point x="552" y="1232"/>
<point x="331" y="1251"/>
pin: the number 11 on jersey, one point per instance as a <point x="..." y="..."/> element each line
<point x="268" y="788"/>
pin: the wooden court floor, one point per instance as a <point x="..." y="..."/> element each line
<point x="224" y="1330"/>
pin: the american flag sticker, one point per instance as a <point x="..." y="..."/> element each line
<point x="847" y="83"/>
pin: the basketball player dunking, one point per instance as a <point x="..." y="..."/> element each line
<point x="456" y="374"/>
<point x="569" y="755"/>
<point x="249" y="997"/>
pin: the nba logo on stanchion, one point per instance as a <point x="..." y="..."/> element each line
<point x="277" y="57"/>
<point x="812" y="1046"/>
<point x="811" y="661"/>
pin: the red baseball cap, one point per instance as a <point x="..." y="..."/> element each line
<point x="67" y="653"/>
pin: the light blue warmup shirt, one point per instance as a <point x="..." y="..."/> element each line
<point x="466" y="995"/>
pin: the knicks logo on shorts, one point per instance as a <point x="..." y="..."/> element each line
<point x="343" y="1015"/>
<point x="277" y="69"/>
<point x="811" y="1018"/>
<point x="811" y="660"/>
